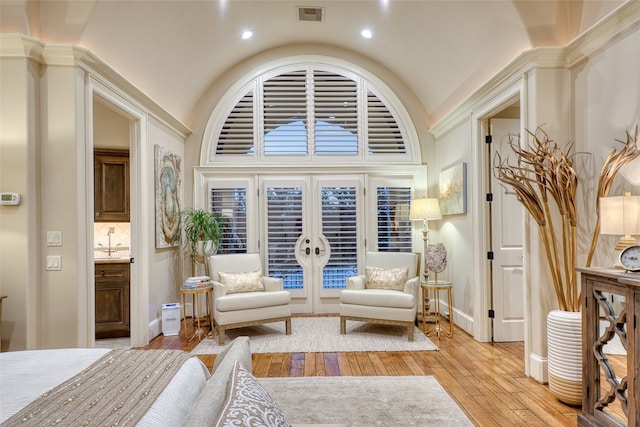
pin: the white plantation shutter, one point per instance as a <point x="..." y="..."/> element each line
<point x="383" y="133"/>
<point x="231" y="203"/>
<point x="394" y="226"/>
<point x="285" y="114"/>
<point x="339" y="226"/>
<point x="237" y="134"/>
<point x="284" y="226"/>
<point x="335" y="102"/>
<point x="311" y="113"/>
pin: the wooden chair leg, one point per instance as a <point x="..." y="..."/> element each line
<point x="220" y="335"/>
<point x="343" y="325"/>
<point x="287" y="325"/>
<point x="410" y="330"/>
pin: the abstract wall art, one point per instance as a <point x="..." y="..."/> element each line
<point x="453" y="189"/>
<point x="168" y="195"/>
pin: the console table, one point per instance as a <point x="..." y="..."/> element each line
<point x="611" y="382"/>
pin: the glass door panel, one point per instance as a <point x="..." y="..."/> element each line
<point x="341" y="220"/>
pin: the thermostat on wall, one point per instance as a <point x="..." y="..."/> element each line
<point x="9" y="199"/>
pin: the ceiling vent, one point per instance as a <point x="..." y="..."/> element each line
<point x="310" y="14"/>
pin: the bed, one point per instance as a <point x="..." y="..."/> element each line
<point x="26" y="375"/>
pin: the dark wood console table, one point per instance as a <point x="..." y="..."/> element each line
<point x="611" y="383"/>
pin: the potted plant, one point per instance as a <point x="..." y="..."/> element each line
<point x="203" y="230"/>
<point x="545" y="182"/>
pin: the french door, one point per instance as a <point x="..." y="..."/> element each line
<point x="312" y="236"/>
<point x="313" y="230"/>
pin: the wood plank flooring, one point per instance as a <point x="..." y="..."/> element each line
<point x="485" y="379"/>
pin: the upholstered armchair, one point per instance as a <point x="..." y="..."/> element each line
<point x="242" y="296"/>
<point x="387" y="293"/>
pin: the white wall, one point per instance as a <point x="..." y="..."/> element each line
<point x="456" y="231"/>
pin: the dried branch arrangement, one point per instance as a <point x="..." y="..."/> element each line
<point x="545" y="182"/>
<point x="612" y="164"/>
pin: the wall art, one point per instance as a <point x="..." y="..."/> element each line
<point x="453" y="189"/>
<point x="168" y="195"/>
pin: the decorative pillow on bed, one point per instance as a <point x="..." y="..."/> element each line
<point x="242" y="282"/>
<point x="248" y="403"/>
<point x="386" y="278"/>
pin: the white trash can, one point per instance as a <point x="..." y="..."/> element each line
<point x="170" y="319"/>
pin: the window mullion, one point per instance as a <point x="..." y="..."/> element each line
<point x="258" y="132"/>
<point x="311" y="126"/>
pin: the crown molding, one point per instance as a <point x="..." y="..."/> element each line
<point x="66" y="55"/>
<point x="620" y="21"/>
<point x="541" y="57"/>
<point x="21" y="46"/>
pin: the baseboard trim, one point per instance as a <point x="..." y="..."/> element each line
<point x="538" y="368"/>
<point x="155" y="328"/>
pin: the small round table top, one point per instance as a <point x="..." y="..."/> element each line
<point x="437" y="284"/>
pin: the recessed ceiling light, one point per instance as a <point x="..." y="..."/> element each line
<point x="367" y="34"/>
<point x="247" y="34"/>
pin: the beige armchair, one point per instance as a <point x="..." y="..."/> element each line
<point x="387" y="293"/>
<point x="242" y="296"/>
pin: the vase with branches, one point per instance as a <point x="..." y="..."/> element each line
<point x="545" y="181"/>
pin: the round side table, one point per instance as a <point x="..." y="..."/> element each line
<point x="435" y="286"/>
<point x="197" y="317"/>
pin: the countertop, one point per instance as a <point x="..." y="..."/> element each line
<point x="113" y="260"/>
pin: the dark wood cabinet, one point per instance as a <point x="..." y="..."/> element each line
<point x="112" y="300"/>
<point x="111" y="180"/>
<point x="611" y="368"/>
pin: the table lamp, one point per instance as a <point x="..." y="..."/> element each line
<point x="424" y="210"/>
<point x="620" y="215"/>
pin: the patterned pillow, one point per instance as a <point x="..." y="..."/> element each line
<point x="386" y="278"/>
<point x="248" y="403"/>
<point x="242" y="282"/>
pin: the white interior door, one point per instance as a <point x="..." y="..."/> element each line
<point x="311" y="236"/>
<point x="507" y="240"/>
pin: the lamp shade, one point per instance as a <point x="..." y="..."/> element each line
<point x="424" y="209"/>
<point x="620" y="215"/>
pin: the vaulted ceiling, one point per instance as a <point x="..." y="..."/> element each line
<point x="174" y="50"/>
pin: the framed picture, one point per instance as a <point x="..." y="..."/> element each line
<point x="168" y="195"/>
<point x="453" y="189"/>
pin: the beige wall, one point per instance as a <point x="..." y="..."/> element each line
<point x="47" y="157"/>
<point x="606" y="104"/>
<point x="587" y="93"/>
<point x="19" y="251"/>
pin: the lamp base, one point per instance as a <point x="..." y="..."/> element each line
<point x="625" y="242"/>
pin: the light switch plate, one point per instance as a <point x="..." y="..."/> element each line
<point x="54" y="238"/>
<point x="54" y="263"/>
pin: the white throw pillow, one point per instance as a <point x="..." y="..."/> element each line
<point x="242" y="282"/>
<point x="386" y="278"/>
<point x="248" y="403"/>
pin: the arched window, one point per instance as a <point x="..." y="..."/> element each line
<point x="311" y="113"/>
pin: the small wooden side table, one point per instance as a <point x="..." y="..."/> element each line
<point x="197" y="316"/>
<point x="435" y="287"/>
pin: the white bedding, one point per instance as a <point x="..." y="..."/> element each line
<point x="25" y="375"/>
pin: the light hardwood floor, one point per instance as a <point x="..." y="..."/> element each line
<point x="486" y="379"/>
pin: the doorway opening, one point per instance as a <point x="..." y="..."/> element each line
<point x="111" y="226"/>
<point x="506" y="234"/>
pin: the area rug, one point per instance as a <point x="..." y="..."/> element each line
<point x="321" y="335"/>
<point x="366" y="401"/>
